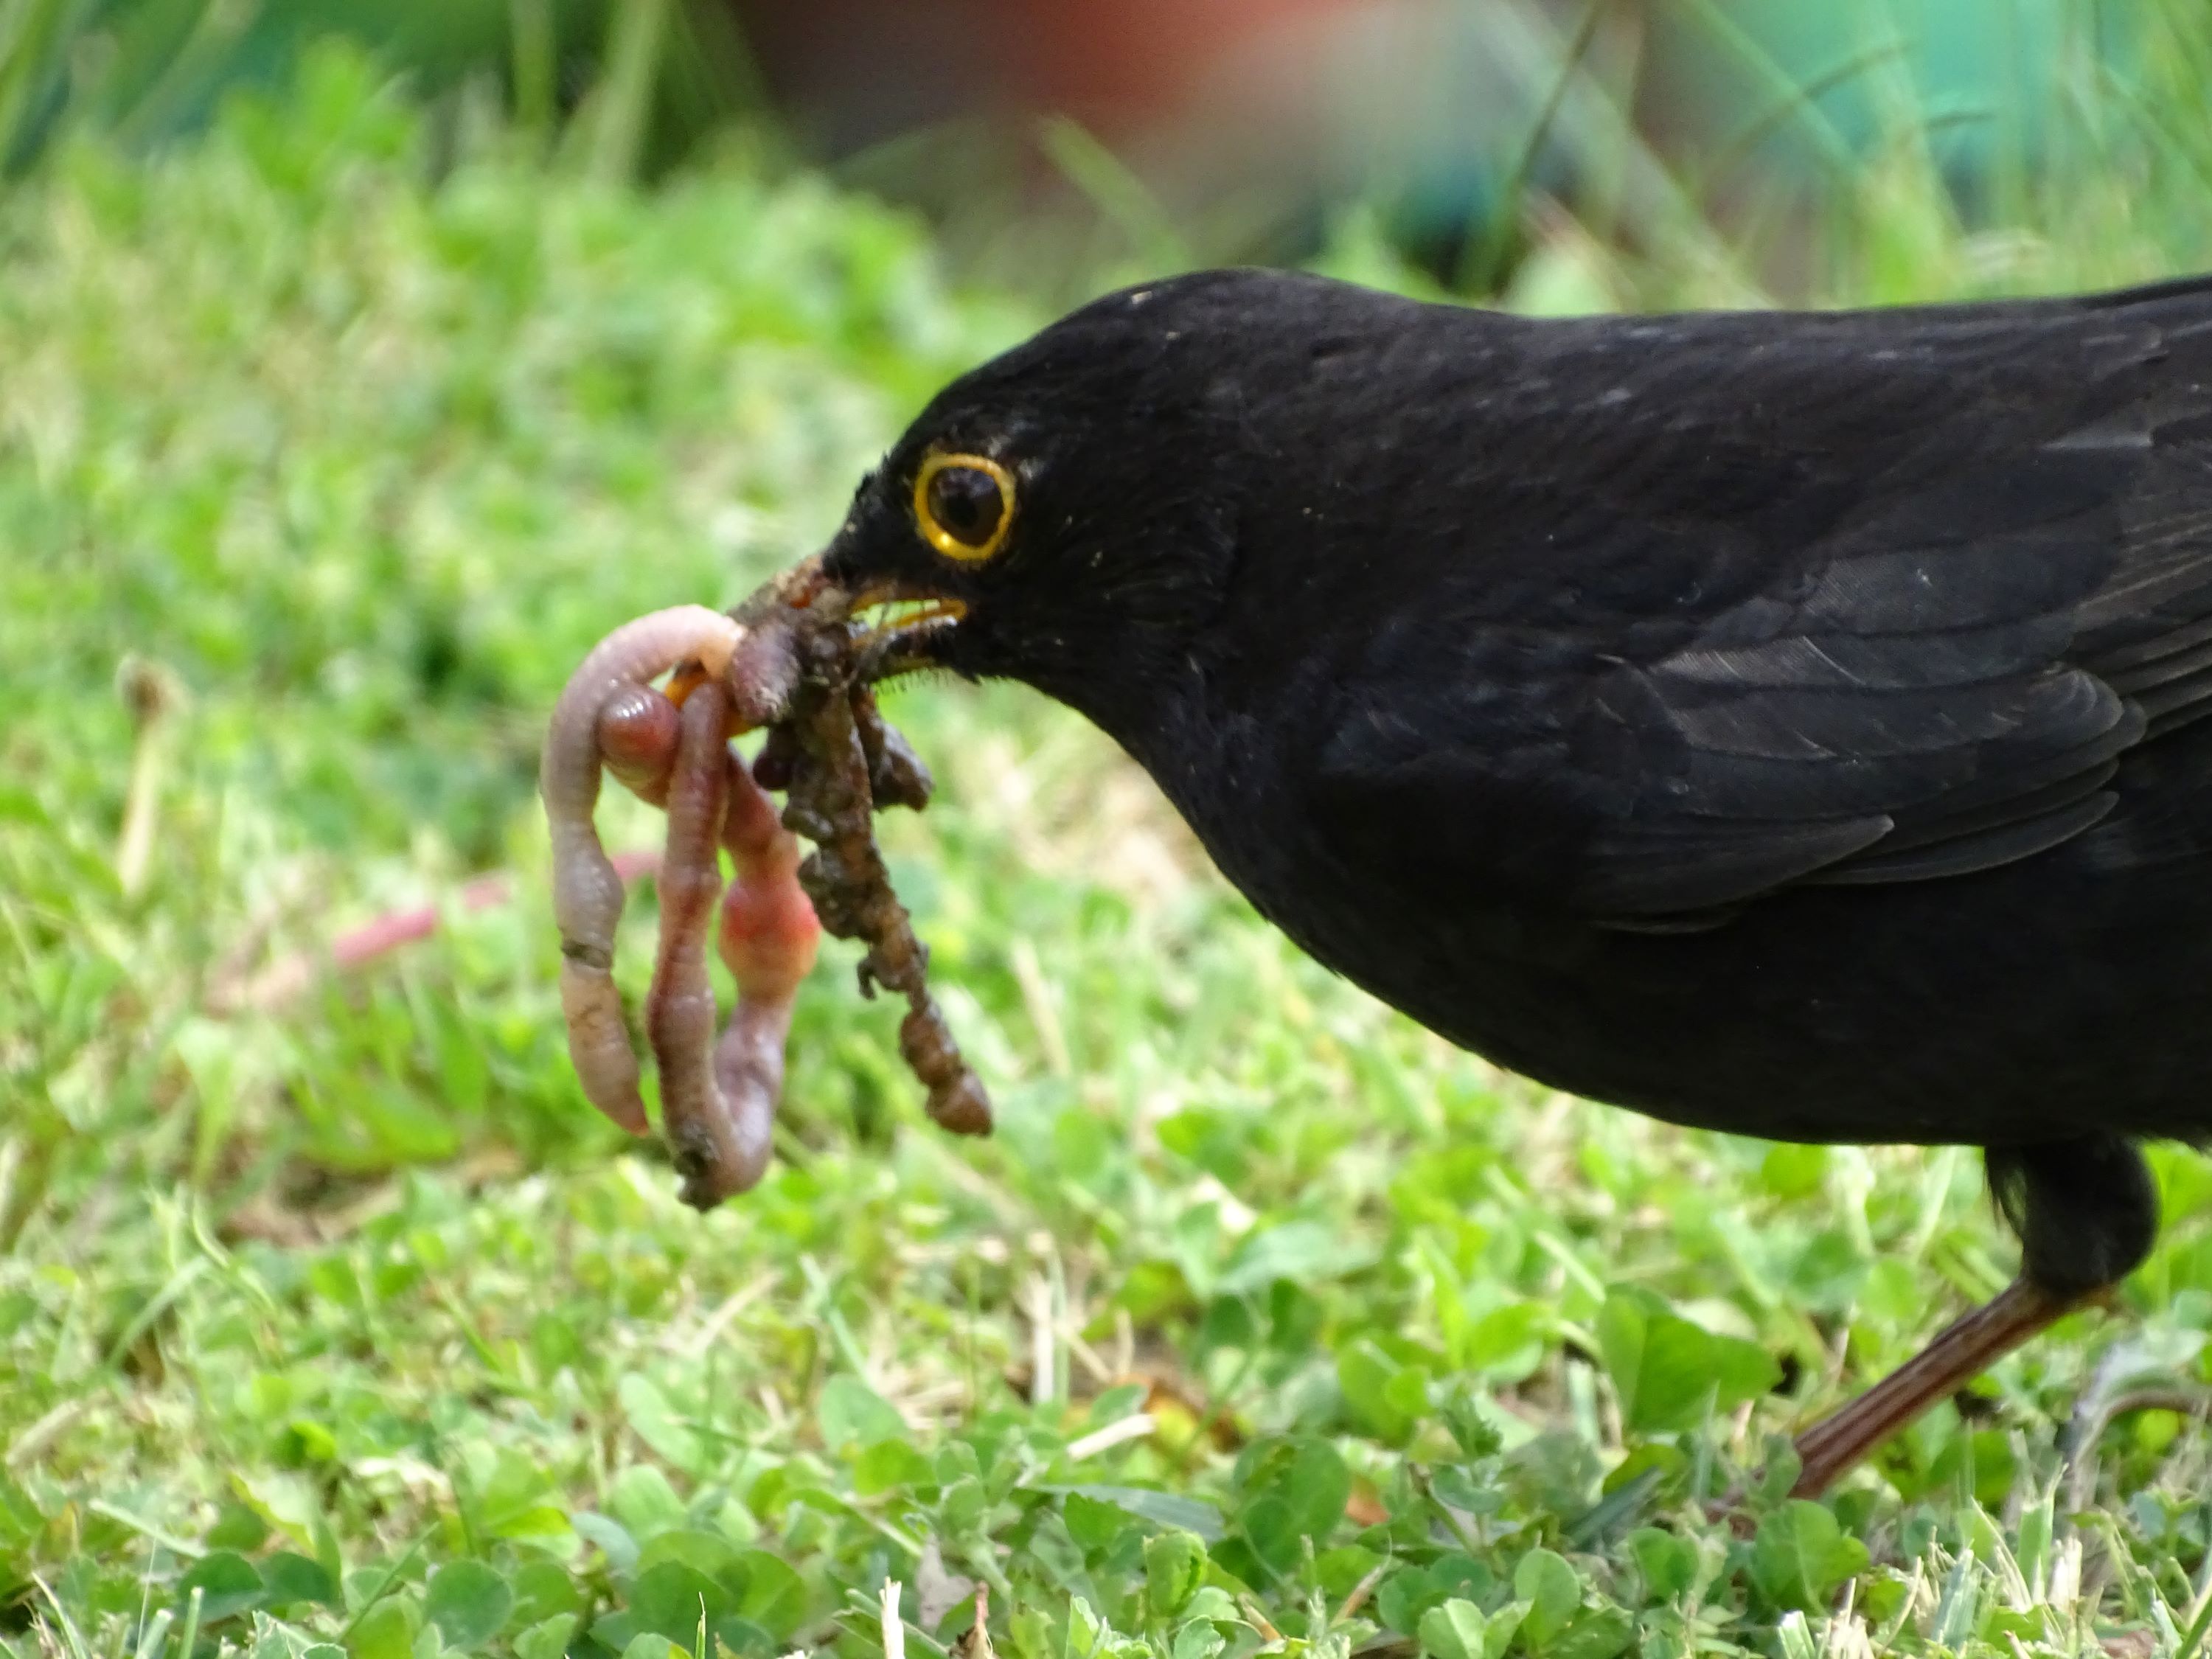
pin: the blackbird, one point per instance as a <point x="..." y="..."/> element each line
<point x="1782" y="722"/>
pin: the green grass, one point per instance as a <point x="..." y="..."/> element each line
<point x="341" y="1323"/>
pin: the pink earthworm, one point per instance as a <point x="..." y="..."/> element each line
<point x="767" y="938"/>
<point x="587" y="894"/>
<point x="714" y="1144"/>
<point x="719" y="1097"/>
<point x="831" y="750"/>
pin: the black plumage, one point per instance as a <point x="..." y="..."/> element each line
<point x="1780" y="722"/>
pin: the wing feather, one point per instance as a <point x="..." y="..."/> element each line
<point x="2016" y="838"/>
<point x="1943" y="687"/>
<point x="1835" y="602"/>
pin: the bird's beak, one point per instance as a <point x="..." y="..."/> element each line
<point x="806" y="585"/>
<point x="907" y="626"/>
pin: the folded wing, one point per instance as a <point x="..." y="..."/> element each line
<point x="1945" y="684"/>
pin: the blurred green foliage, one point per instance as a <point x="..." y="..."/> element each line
<point x="333" y="1321"/>
<point x="636" y="83"/>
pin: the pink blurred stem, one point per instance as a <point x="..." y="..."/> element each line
<point x="289" y="978"/>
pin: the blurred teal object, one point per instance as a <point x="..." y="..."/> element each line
<point x="1981" y="73"/>
<point x="1650" y="111"/>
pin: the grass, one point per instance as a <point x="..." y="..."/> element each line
<point x="336" y="1321"/>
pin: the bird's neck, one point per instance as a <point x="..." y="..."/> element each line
<point x="1209" y="753"/>
<point x="1143" y="688"/>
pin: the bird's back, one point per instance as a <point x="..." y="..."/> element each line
<point x="1786" y="721"/>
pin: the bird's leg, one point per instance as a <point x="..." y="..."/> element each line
<point x="1960" y="1351"/>
<point x="2086" y="1210"/>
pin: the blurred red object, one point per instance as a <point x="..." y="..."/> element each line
<point x="859" y="71"/>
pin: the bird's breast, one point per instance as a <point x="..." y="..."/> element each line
<point x="1992" y="1009"/>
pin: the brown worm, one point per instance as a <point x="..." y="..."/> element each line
<point x="587" y="894"/>
<point x="768" y="939"/>
<point x="719" y="1095"/>
<point x="846" y="751"/>
<point x="713" y="1142"/>
<point x="637" y="741"/>
<point x="788" y="659"/>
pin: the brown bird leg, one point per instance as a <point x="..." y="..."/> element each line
<point x="2086" y="1212"/>
<point x="1962" y="1351"/>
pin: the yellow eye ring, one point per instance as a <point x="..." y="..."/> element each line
<point x="935" y="500"/>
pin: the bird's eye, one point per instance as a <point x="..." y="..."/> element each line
<point x="964" y="505"/>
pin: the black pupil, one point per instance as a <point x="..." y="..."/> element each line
<point x="965" y="501"/>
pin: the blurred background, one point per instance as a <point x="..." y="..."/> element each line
<point x="1043" y="139"/>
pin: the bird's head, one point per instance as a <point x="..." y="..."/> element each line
<point x="1067" y="514"/>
